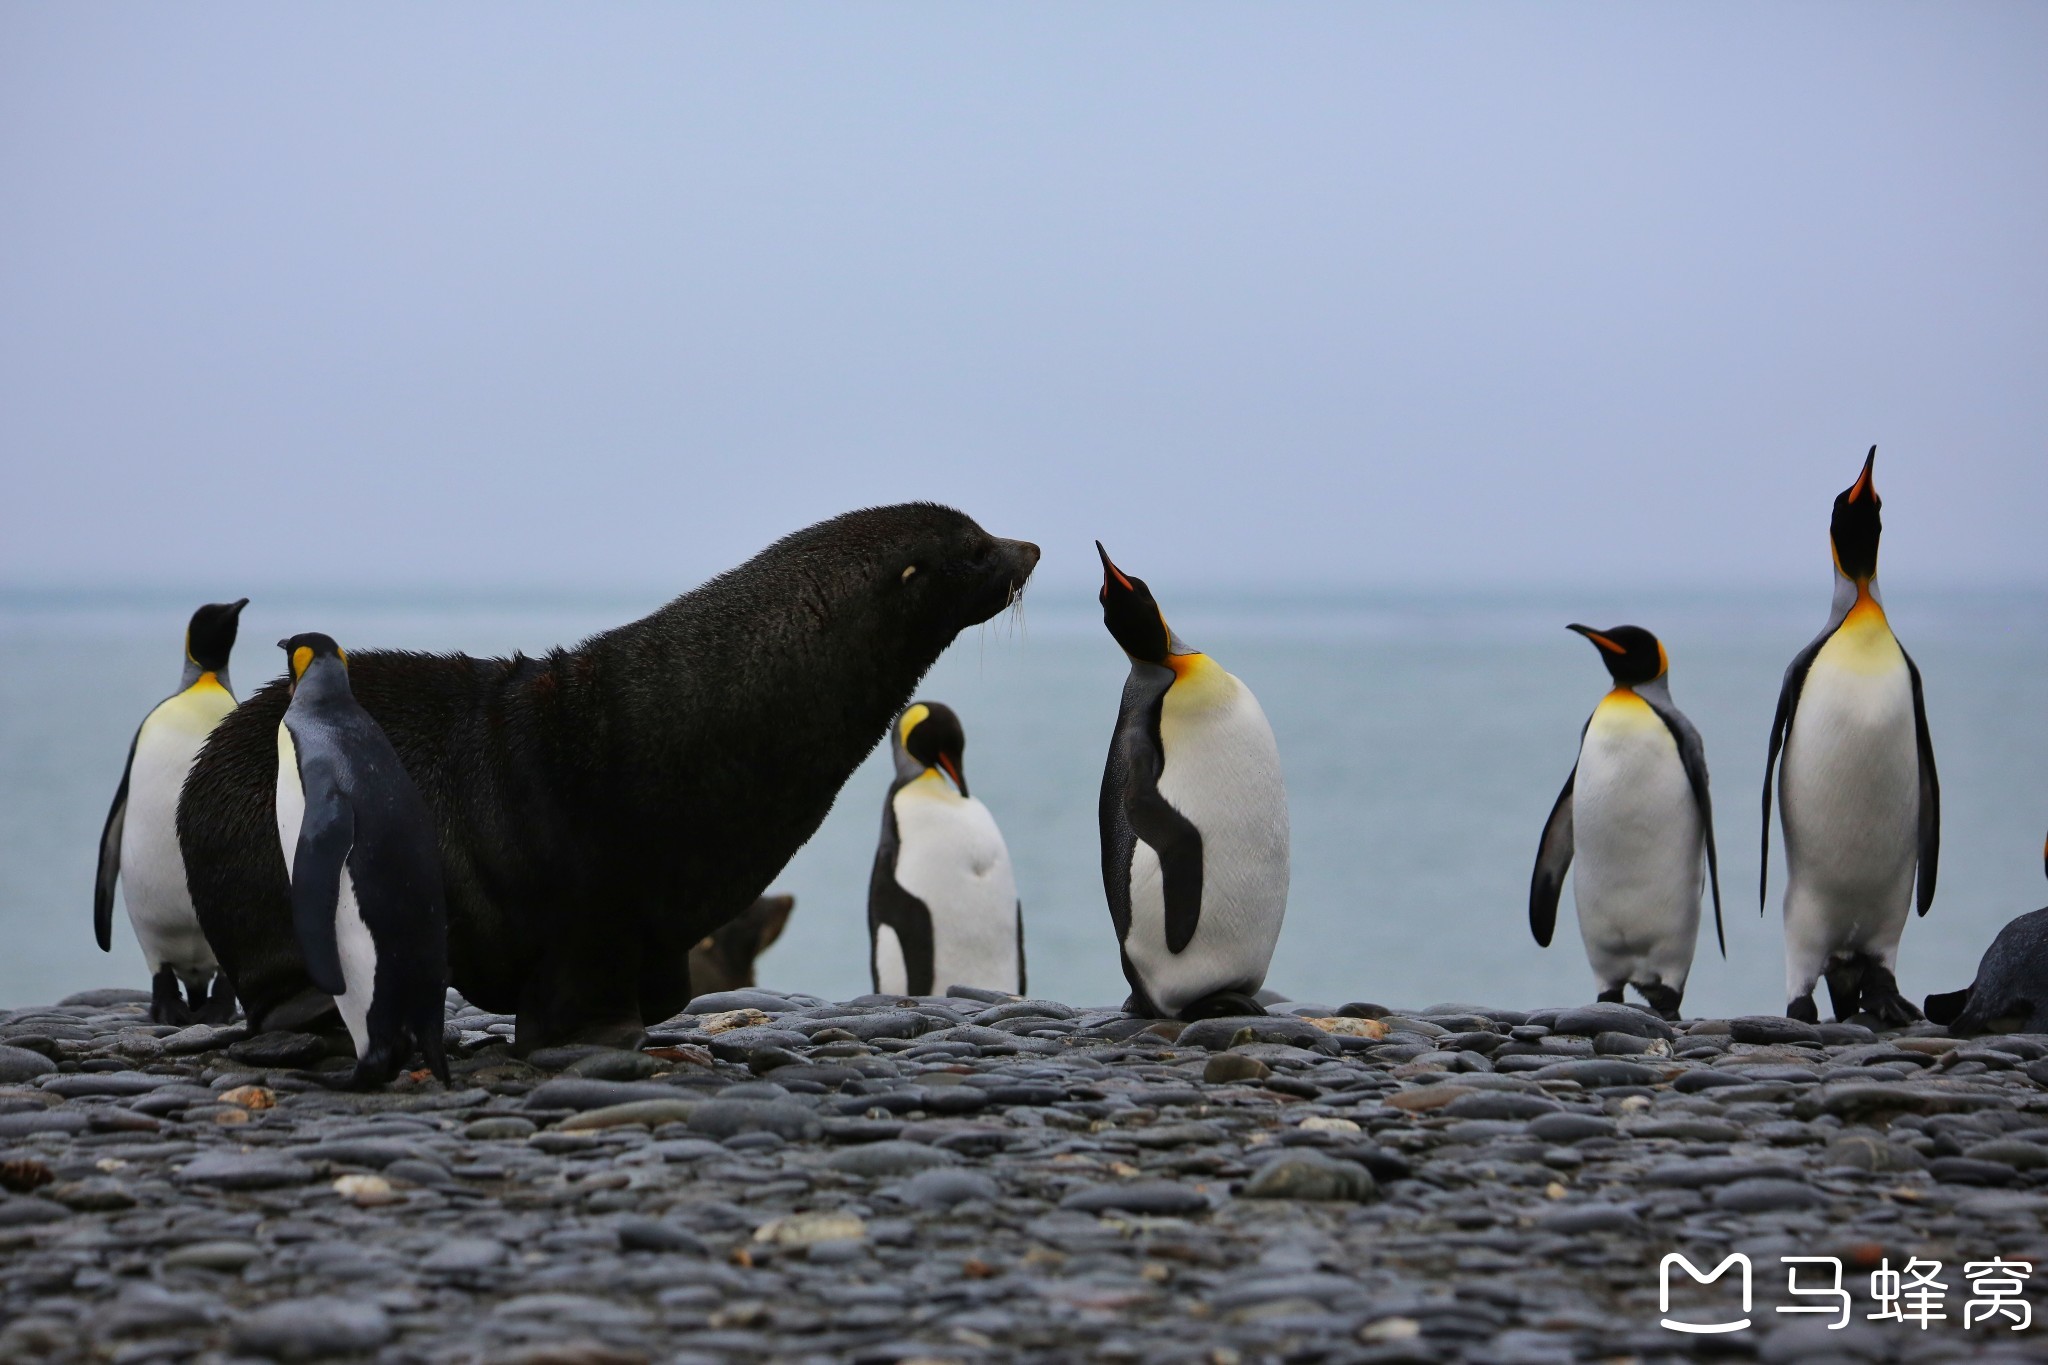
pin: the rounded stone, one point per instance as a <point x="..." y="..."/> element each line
<point x="18" y="1064"/>
<point x="499" y="1127"/>
<point x="1309" y="1175"/>
<point x="217" y="1255"/>
<point x="460" y="1255"/>
<point x="1139" y="1196"/>
<point x="1501" y="1104"/>
<point x="1231" y="1068"/>
<point x="652" y="1234"/>
<point x="1763" y="1194"/>
<point x="313" y="1329"/>
<point x="1772" y="1028"/>
<point x="942" y="1189"/>
<point x="890" y="1158"/>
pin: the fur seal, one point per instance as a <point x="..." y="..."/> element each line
<point x="2011" y="985"/>
<point x="603" y="809"/>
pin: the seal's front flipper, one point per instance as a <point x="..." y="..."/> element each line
<point x="1946" y="1009"/>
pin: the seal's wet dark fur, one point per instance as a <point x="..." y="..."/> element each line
<point x="602" y="809"/>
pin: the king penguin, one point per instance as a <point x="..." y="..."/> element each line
<point x="139" y="845"/>
<point x="1635" y="810"/>
<point x="365" y="868"/>
<point x="1194" y="821"/>
<point x="942" y="903"/>
<point x="1861" y="803"/>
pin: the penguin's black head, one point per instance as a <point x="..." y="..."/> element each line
<point x="210" y="637"/>
<point x="1856" y="525"/>
<point x="1132" y="616"/>
<point x="308" y="649"/>
<point x="1632" y="655"/>
<point x="930" y="733"/>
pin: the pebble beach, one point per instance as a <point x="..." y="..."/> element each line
<point x="980" y="1178"/>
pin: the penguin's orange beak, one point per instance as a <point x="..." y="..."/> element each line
<point x="1111" y="573"/>
<point x="1597" y="638"/>
<point x="952" y="770"/>
<point x="1862" y="487"/>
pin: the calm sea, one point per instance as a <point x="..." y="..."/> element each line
<point x="1424" y="738"/>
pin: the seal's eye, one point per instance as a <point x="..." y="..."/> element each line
<point x="912" y="569"/>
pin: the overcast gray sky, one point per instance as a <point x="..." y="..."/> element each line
<point x="1262" y="295"/>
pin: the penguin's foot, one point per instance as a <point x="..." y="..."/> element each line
<point x="375" y="1069"/>
<point x="219" y="1005"/>
<point x="1612" y="995"/>
<point x="1804" y="1010"/>
<point x="1882" y="999"/>
<point x="1662" y="998"/>
<point x="166" y="1002"/>
<point x="1222" y="1005"/>
<point x="1846" y="983"/>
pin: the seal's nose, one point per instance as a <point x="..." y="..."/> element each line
<point x="1025" y="554"/>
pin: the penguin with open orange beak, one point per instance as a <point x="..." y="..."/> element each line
<point x="1194" y="821"/>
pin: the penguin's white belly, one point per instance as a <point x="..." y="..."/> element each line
<point x="1638" y="850"/>
<point x="358" y="964"/>
<point x="951" y="856"/>
<point x="351" y="935"/>
<point x="291" y="798"/>
<point x="153" y="885"/>
<point x="1222" y="771"/>
<point x="892" y="973"/>
<point x="1851" y="798"/>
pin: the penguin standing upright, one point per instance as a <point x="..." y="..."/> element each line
<point x="365" y="868"/>
<point x="1194" y="821"/>
<point x="1860" y="801"/>
<point x="1635" y="810"/>
<point x="942" y="902"/>
<point x="139" y="845"/>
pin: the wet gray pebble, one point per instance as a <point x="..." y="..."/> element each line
<point x="313" y="1329"/>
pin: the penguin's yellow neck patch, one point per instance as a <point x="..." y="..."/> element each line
<point x="1198" y="681"/>
<point x="206" y="682"/>
<point x="1864" y="642"/>
<point x="1622" y="707"/>
<point x="301" y="658"/>
<point x="929" y="785"/>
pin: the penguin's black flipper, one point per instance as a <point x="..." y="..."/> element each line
<point x="1930" y="794"/>
<point x="1022" y="988"/>
<point x="1781" y="731"/>
<point x="1553" y="860"/>
<point x="1693" y="753"/>
<point x="326" y="835"/>
<point x="110" y="855"/>
<point x="1174" y="838"/>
